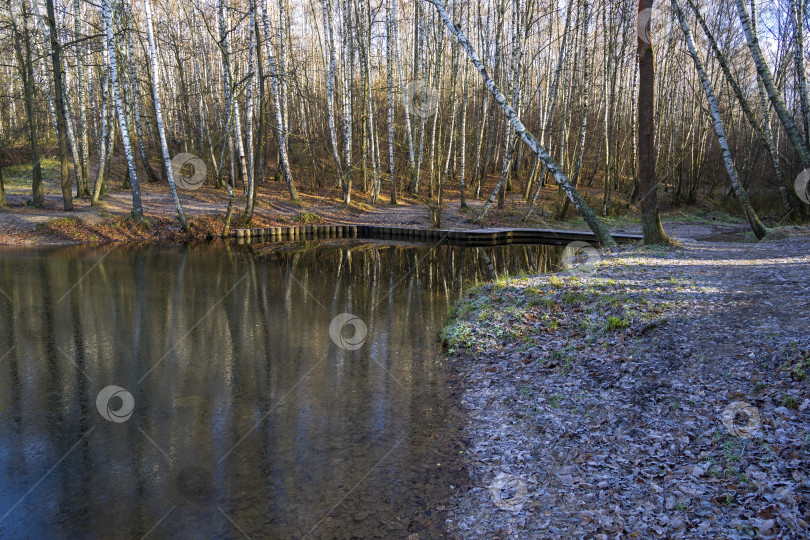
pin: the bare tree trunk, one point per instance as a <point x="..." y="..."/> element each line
<point x="764" y="134"/>
<point x="389" y="57"/>
<point x="25" y="65"/>
<point x="83" y="189"/>
<point x="552" y="100"/>
<point x="135" y="96"/>
<point x="59" y="102"/>
<point x="164" y="147"/>
<point x="106" y="14"/>
<point x="799" y="11"/>
<point x="331" y="68"/>
<point x="650" y="218"/>
<point x="105" y="133"/>
<point x="281" y="134"/>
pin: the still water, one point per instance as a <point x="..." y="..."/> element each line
<point x="233" y="391"/>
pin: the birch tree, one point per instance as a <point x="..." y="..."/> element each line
<point x="598" y="228"/>
<point x="164" y="147"/>
<point x="791" y="130"/>
<point x="107" y="17"/>
<point x="753" y="220"/>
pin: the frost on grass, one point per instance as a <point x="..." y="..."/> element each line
<point x="605" y="396"/>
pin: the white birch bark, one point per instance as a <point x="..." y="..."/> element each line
<point x="792" y="131"/>
<point x="756" y="225"/>
<point x="106" y="15"/>
<point x="330" y="85"/>
<point x="389" y="57"/>
<point x="164" y="147"/>
<point x="281" y="132"/>
<point x="409" y="131"/>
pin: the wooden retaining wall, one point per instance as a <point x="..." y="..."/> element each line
<point x="479" y="237"/>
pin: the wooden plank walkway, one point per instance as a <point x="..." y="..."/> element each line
<point x="475" y="237"/>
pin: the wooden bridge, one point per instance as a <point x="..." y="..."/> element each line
<point x="474" y="237"/>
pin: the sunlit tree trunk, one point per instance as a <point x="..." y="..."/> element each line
<point x="650" y="217"/>
<point x="106" y="14"/>
<point x="59" y="103"/>
<point x="791" y="130"/>
<point x="331" y="68"/>
<point x="164" y="147"/>
<point x="274" y="84"/>
<point x="389" y="57"/>
<point x="135" y="96"/>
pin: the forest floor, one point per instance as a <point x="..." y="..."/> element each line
<point x="109" y="221"/>
<point x="656" y="392"/>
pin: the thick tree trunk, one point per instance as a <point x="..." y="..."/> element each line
<point x="59" y="103"/>
<point x="650" y="218"/>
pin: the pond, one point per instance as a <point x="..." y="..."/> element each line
<point x="273" y="391"/>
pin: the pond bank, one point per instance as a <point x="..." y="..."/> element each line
<point x="657" y="393"/>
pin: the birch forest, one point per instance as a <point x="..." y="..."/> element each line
<point x="530" y="105"/>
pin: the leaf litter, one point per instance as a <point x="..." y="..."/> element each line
<point x="602" y="394"/>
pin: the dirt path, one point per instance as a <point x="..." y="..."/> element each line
<point x="602" y="413"/>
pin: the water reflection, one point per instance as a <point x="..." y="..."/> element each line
<point x="247" y="417"/>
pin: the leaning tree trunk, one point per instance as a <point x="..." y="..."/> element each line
<point x="764" y="133"/>
<point x="756" y="225"/>
<point x="106" y="15"/>
<point x="602" y="234"/>
<point x="164" y="147"/>
<point x="791" y="130"/>
<point x="650" y="218"/>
